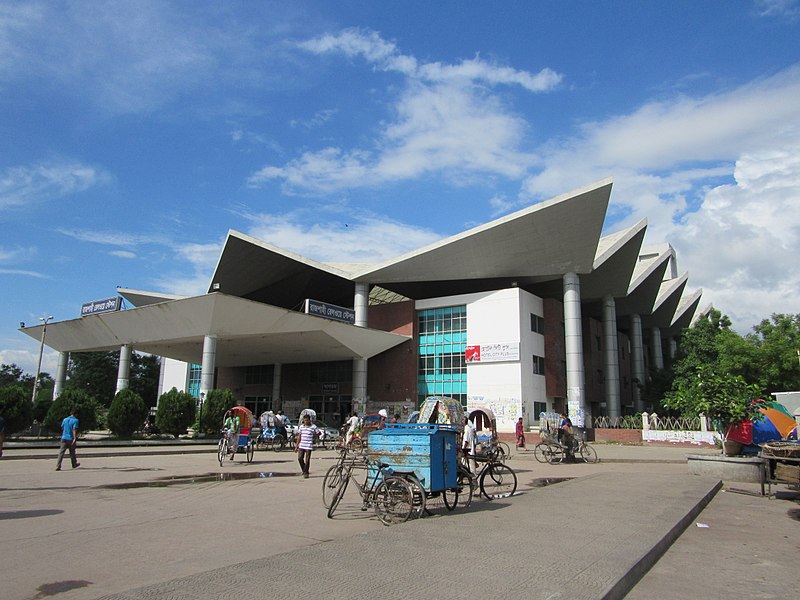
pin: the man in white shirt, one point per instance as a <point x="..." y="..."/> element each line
<point x="352" y="425"/>
<point x="468" y="443"/>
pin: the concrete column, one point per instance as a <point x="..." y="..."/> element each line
<point x="61" y="374"/>
<point x="673" y="349"/>
<point x="577" y="407"/>
<point x="637" y="361"/>
<point x="361" y="308"/>
<point x="124" y="370"/>
<point x="611" y="347"/>
<point x="277" y="402"/>
<point x="209" y="360"/>
<point x="655" y="348"/>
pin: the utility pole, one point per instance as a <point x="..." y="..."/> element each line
<point x="44" y="320"/>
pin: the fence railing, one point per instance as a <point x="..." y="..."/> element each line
<point x="653" y="422"/>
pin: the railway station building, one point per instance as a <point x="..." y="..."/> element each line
<point x="534" y="311"/>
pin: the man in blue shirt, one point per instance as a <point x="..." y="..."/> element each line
<point x="69" y="437"/>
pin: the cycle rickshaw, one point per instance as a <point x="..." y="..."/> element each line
<point x="273" y="434"/>
<point x="407" y="466"/>
<point x="487" y="441"/>
<point x="236" y="439"/>
<point x="494" y="479"/>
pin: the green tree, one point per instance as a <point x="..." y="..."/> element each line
<point x="775" y="344"/>
<point x="13" y="375"/>
<point x="145" y="373"/>
<point x="87" y="409"/>
<point x="15" y="406"/>
<point x="127" y="413"/>
<point x="214" y="407"/>
<point x="95" y="373"/>
<point x="175" y="412"/>
<point x="724" y="398"/>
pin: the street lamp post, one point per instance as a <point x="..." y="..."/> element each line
<point x="200" y="418"/>
<point x="44" y="320"/>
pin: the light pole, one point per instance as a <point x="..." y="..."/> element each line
<point x="200" y="418"/>
<point x="44" y="320"/>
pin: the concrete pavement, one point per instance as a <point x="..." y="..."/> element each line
<point x="134" y="526"/>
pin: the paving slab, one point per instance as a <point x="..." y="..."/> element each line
<point x="576" y="539"/>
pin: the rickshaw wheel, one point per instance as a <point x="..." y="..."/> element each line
<point x="498" y="481"/>
<point x="278" y="442"/>
<point x="356" y="444"/>
<point x="222" y="451"/>
<point x="394" y="501"/>
<point x="250" y="450"/>
<point x="330" y="483"/>
<point x="540" y="452"/>
<point x="553" y="454"/>
<point x="588" y="454"/>
<point x="419" y="495"/>
<point x="261" y="443"/>
<point x="504" y="451"/>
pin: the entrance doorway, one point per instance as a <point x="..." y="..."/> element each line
<point x="333" y="410"/>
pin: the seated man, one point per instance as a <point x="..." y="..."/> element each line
<point x="567" y="438"/>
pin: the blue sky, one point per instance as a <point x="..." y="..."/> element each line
<point x="134" y="134"/>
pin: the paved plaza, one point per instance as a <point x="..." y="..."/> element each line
<point x="172" y="523"/>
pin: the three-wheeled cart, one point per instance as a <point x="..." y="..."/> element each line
<point x="424" y="457"/>
<point x="233" y="440"/>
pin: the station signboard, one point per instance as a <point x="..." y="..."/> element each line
<point x="330" y="311"/>
<point x="101" y="306"/>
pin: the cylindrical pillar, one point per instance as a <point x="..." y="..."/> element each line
<point x="124" y="369"/>
<point x="637" y="361"/>
<point x="61" y="374"/>
<point x="361" y="308"/>
<point x="655" y="348"/>
<point x="611" y="355"/>
<point x="209" y="360"/>
<point x="277" y="402"/>
<point x="577" y="406"/>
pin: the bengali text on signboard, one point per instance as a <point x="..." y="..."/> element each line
<point x="485" y="353"/>
<point x="101" y="306"/>
<point x="330" y="311"/>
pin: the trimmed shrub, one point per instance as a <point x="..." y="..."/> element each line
<point x="85" y="405"/>
<point x="217" y="402"/>
<point x="15" y="406"/>
<point x="127" y="413"/>
<point x="175" y="412"/>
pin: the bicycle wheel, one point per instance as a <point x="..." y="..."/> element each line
<point x="330" y="483"/>
<point x="465" y="481"/>
<point x="250" y="450"/>
<point x="261" y="443"/>
<point x="356" y="445"/>
<point x="394" y="501"/>
<point x="338" y="494"/>
<point x="222" y="451"/>
<point x="498" y="481"/>
<point x="588" y="454"/>
<point x="554" y="454"/>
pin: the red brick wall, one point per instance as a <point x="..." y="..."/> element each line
<point x="392" y="375"/>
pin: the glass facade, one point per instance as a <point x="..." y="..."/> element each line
<point x="193" y="383"/>
<point x="441" y="368"/>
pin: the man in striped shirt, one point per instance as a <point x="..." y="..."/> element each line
<point x="304" y="443"/>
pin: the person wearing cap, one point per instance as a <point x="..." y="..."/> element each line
<point x="384" y="415"/>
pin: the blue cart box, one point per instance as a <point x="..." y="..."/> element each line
<point x="428" y="451"/>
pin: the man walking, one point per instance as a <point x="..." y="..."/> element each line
<point x="69" y="438"/>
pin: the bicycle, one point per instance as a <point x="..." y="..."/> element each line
<point x="554" y="452"/>
<point x="495" y="479"/>
<point x="395" y="498"/>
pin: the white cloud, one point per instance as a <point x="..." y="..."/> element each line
<point x="24" y="273"/>
<point x="24" y="185"/>
<point x="718" y="177"/>
<point x="364" y="238"/>
<point x="445" y="121"/>
<point x="201" y="260"/>
<point x="122" y="254"/>
<point x="112" y="238"/>
<point x="789" y="9"/>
